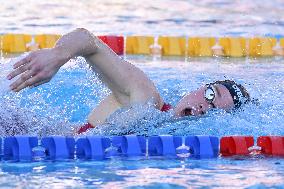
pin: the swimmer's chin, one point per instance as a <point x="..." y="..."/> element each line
<point x="189" y="117"/>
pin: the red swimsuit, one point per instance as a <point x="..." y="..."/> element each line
<point x="166" y="107"/>
<point x="84" y="128"/>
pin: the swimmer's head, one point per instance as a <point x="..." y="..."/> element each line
<point x="227" y="95"/>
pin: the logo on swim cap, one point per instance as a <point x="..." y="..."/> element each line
<point x="236" y="92"/>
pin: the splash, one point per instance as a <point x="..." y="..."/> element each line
<point x="64" y="103"/>
<point x="19" y="111"/>
<point x="144" y="119"/>
<point x="138" y="119"/>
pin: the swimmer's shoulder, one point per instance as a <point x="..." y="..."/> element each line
<point x="146" y="95"/>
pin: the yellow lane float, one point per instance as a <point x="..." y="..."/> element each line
<point x="261" y="46"/>
<point x="172" y="46"/>
<point x="201" y="46"/>
<point x="139" y="44"/>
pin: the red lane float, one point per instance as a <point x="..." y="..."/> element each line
<point x="116" y="43"/>
<point x="271" y="145"/>
<point x="235" y="145"/>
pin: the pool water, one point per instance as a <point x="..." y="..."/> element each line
<point x="160" y="17"/>
<point x="146" y="173"/>
<point x="64" y="103"/>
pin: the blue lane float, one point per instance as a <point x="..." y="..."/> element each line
<point x="92" y="147"/>
<point x="59" y="147"/>
<point x="164" y="145"/>
<point x="130" y="145"/>
<point x="27" y="148"/>
<point x="203" y="146"/>
<point x="19" y="147"/>
<point x="1" y="148"/>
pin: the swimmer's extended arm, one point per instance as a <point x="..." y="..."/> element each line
<point x="127" y="83"/>
<point x="40" y="66"/>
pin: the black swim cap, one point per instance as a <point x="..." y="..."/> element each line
<point x="238" y="92"/>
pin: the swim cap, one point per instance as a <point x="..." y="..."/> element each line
<point x="238" y="92"/>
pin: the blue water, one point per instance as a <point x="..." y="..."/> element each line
<point x="145" y="173"/>
<point x="64" y="103"/>
<point x="148" y="17"/>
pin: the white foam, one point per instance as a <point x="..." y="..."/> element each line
<point x="5" y="69"/>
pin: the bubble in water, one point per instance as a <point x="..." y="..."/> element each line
<point x="183" y="151"/>
<point x="39" y="153"/>
<point x="111" y="151"/>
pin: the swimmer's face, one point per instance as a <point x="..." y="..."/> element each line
<point x="195" y="102"/>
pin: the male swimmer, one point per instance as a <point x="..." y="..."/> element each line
<point x="128" y="84"/>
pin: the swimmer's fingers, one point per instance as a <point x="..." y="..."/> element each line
<point x="19" y="70"/>
<point x="23" y="61"/>
<point x="26" y="80"/>
<point x="40" y="83"/>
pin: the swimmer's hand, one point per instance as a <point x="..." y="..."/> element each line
<point x="37" y="68"/>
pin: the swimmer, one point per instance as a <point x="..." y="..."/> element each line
<point x="128" y="84"/>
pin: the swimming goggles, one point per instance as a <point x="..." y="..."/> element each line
<point x="210" y="94"/>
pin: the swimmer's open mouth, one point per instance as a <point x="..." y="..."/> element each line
<point x="187" y="112"/>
